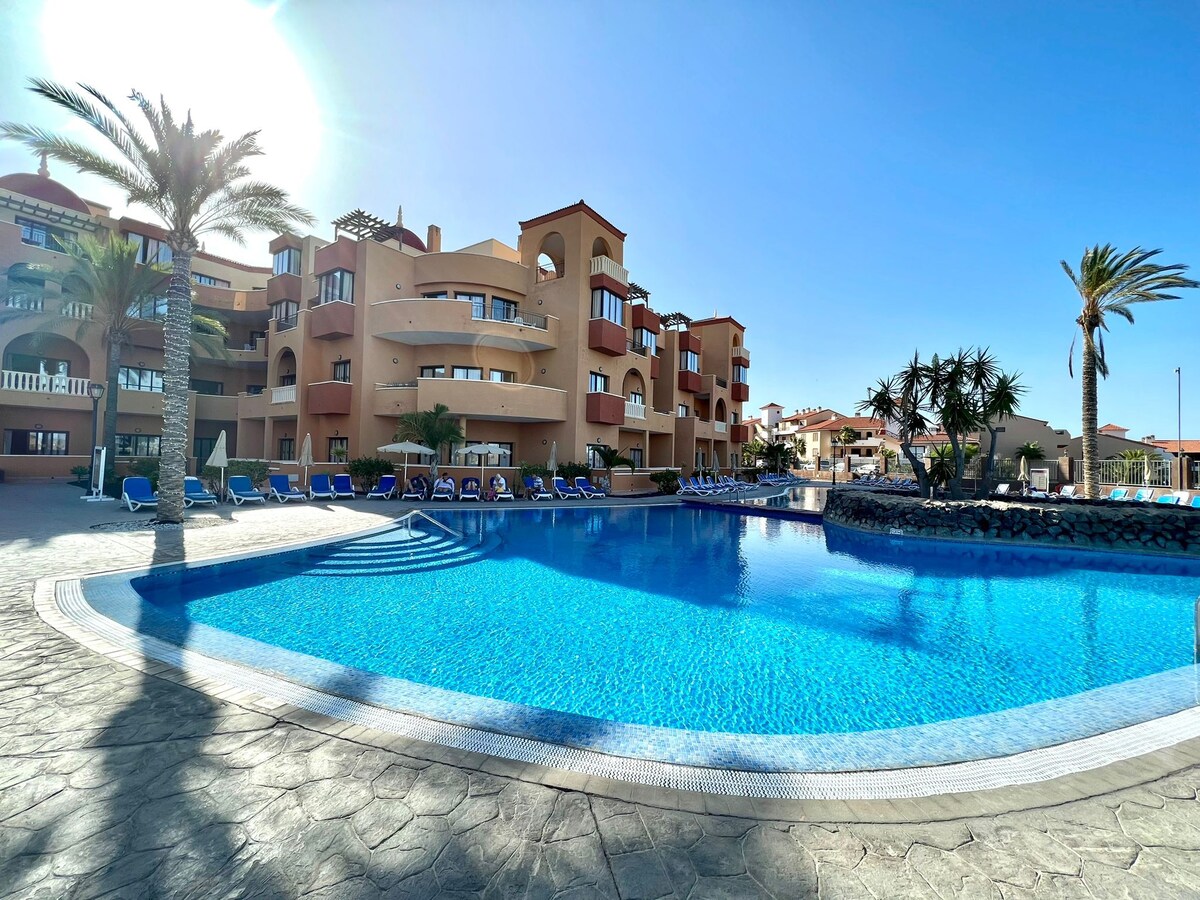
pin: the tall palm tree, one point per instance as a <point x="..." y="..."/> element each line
<point x="435" y="428"/>
<point x="846" y="436"/>
<point x="197" y="183"/>
<point x="1111" y="282"/>
<point x="611" y="458"/>
<point x="1000" y="403"/>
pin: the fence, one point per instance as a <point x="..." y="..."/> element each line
<point x="1147" y="473"/>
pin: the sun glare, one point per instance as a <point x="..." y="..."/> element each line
<point x="236" y="73"/>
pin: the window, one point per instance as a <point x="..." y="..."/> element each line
<point x="21" y="442"/>
<point x="607" y="305"/>
<point x="492" y="459"/>
<point x="646" y="339"/>
<point x="138" y="445"/>
<point x="503" y="310"/>
<point x="45" y="236"/>
<point x="432" y="372"/>
<point x="682" y="411"/>
<point x="202" y="386"/>
<point x="597" y="383"/>
<point x="149" y="308"/>
<point x="285" y="313"/>
<point x="637" y="397"/>
<point x="689" y="361"/>
<point x="341" y="371"/>
<point x="133" y="379"/>
<point x="37" y="365"/>
<point x="202" y="448"/>
<point x="593" y="455"/>
<point x="502" y="376"/>
<point x="637" y="457"/>
<point x="740" y="374"/>
<point x="336" y="285"/>
<point x="734" y="418"/>
<point x="339" y="448"/>
<point x="150" y="250"/>
<point x="471" y="373"/>
<point x="287" y="262"/>
<point x="287" y="448"/>
<point x="255" y="389"/>
<point x="208" y="279"/>
<point x="436" y="295"/>
<point x="478" y="303"/>
<point x="286" y="380"/>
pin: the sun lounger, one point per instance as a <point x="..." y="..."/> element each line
<point x="587" y="488"/>
<point x="343" y="488"/>
<point x="505" y="494"/>
<point x="1118" y="494"/>
<point x="282" y="489"/>
<point x="1143" y="495"/>
<point x="564" y="491"/>
<point x="533" y="492"/>
<point x="1181" y="497"/>
<point x="241" y="490"/>
<point x="136" y="493"/>
<point x="446" y="492"/>
<point x="418" y="489"/>
<point x="385" y="489"/>
<point x="1067" y="492"/>
<point x="1168" y="500"/>
<point x="320" y="486"/>
<point x="1195" y="504"/>
<point x="194" y="492"/>
<point x="1002" y="490"/>
<point x="469" y="489"/>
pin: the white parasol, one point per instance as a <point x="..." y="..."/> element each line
<point x="405" y="447"/>
<point x="552" y="463"/>
<point x="306" y="457"/>
<point x="484" y="450"/>
<point x="219" y="458"/>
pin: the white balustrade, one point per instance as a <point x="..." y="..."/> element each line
<point x="284" y="394"/>
<point x="635" y="410"/>
<point x="720" y="427"/>
<point x="74" y="309"/>
<point x="44" y="384"/>
<point x="603" y="265"/>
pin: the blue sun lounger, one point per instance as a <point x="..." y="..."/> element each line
<point x="533" y="492"/>
<point x="241" y="490"/>
<point x="469" y="489"/>
<point x="384" y="490"/>
<point x="342" y="487"/>
<point x="136" y="493"/>
<point x="319" y="486"/>
<point x="282" y="490"/>
<point x="564" y="490"/>
<point x="587" y="488"/>
<point x="194" y="492"/>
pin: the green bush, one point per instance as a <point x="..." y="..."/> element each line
<point x="367" y="470"/>
<point x="529" y="470"/>
<point x="254" y="469"/>
<point x="668" y="482"/>
<point x="146" y="468"/>
<point x="570" y="471"/>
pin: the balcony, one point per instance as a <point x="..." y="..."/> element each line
<point x="603" y="265"/>
<point x="639" y="349"/>
<point x="739" y="392"/>
<point x="635" y="410"/>
<point x="493" y="400"/>
<point x="43" y="384"/>
<point x="394" y="400"/>
<point x="217" y="407"/>
<point x="720" y="428"/>
<point x="332" y="320"/>
<point x="421" y="321"/>
<point x="642" y="316"/>
<point x="76" y="309"/>
<point x="329" y="398"/>
<point x="739" y="434"/>
<point x="741" y="356"/>
<point x="251" y="406"/>
<point x="283" y="394"/>
<point x="689" y="381"/>
<point x="605" y="409"/>
<point x="606" y="337"/>
<point x="284" y="287"/>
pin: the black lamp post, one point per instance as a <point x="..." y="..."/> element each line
<point x="95" y="391"/>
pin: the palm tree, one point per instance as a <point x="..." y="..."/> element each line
<point x="435" y="428"/>
<point x="1133" y="461"/>
<point x="752" y="452"/>
<point x="846" y="436"/>
<point x="941" y="465"/>
<point x="1111" y="282"/>
<point x="1030" y="451"/>
<point x="197" y="183"/>
<point x="611" y="458"/>
<point x="775" y="455"/>
<point x="1001" y="403"/>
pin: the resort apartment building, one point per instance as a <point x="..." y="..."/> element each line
<point x="545" y="346"/>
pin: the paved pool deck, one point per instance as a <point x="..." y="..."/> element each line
<point x="121" y="778"/>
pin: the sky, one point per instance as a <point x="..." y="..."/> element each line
<point x="852" y="182"/>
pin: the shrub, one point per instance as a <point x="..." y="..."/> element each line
<point x="81" y="474"/>
<point x="570" y="471"/>
<point x="668" y="481"/>
<point x="367" y="470"/>
<point x="146" y="468"/>
<point x="254" y="469"/>
<point x="529" y="470"/>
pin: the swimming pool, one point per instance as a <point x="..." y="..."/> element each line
<point x="664" y="631"/>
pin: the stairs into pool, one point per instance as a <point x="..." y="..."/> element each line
<point x="395" y="552"/>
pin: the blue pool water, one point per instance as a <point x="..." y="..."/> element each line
<point x="709" y="621"/>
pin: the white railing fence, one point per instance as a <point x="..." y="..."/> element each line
<point x="720" y="427"/>
<point x="602" y="265"/>
<point x="635" y="410"/>
<point x="75" y="309"/>
<point x="285" y="394"/>
<point x="45" y="384"/>
<point x="1147" y="473"/>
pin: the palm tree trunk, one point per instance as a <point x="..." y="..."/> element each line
<point x="177" y="341"/>
<point x="918" y="468"/>
<point x="985" y="482"/>
<point x="956" y="491"/>
<point x="1091" y="467"/>
<point x="111" y="371"/>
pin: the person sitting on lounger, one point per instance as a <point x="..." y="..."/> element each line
<point x="498" y="486"/>
<point x="444" y="483"/>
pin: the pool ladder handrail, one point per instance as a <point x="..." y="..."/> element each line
<point x="407" y="520"/>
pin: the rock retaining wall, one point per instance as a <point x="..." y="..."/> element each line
<point x="1159" y="529"/>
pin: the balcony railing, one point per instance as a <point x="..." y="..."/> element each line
<point x="30" y="302"/>
<point x="741" y="352"/>
<point x="721" y="382"/>
<point x="286" y="323"/>
<point x="720" y="427"/>
<point x="284" y="394"/>
<point x="603" y="265"/>
<point x="639" y="349"/>
<point x="635" y="410"/>
<point x="44" y="384"/>
<point x="75" y="309"/>
<point x="516" y="316"/>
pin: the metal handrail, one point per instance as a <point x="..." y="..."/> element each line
<point x="424" y="515"/>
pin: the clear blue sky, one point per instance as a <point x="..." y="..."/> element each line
<point x="851" y="182"/>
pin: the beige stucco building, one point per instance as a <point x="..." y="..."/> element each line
<point x="542" y="344"/>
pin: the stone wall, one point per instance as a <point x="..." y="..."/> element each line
<point x="1159" y="529"/>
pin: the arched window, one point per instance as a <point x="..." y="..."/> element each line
<point x="600" y="248"/>
<point x="552" y="257"/>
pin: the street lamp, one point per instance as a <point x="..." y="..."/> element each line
<point x="95" y="391"/>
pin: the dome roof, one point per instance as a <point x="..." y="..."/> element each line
<point x="42" y="187"/>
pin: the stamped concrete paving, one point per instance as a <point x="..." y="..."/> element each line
<point x="119" y="784"/>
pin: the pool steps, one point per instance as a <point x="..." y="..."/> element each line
<point x="396" y="553"/>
